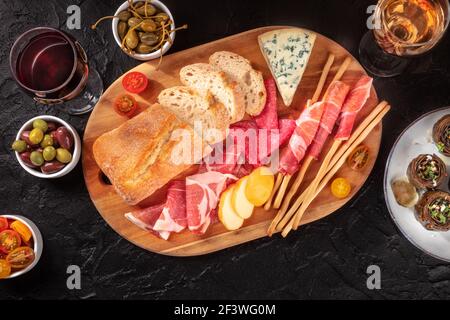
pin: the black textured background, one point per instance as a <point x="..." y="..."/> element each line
<point x="327" y="259"/>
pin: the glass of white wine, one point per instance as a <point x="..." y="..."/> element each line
<point x="402" y="29"/>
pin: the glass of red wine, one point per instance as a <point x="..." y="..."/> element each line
<point x="52" y="67"/>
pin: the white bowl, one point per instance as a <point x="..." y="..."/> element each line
<point x="37" y="239"/>
<point x="75" y="155"/>
<point x="152" y="55"/>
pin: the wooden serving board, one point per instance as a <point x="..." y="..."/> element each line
<point x="103" y="119"/>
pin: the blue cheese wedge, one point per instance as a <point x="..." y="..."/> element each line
<point x="287" y="52"/>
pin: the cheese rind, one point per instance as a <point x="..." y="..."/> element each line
<point x="287" y="52"/>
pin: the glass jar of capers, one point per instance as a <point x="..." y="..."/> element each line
<point x="46" y="147"/>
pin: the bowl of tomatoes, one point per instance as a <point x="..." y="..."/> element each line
<point x="21" y="246"/>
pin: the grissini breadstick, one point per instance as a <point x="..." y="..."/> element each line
<point x="337" y="156"/>
<point x="347" y="149"/>
<point x="317" y="92"/>
<point x="307" y="162"/>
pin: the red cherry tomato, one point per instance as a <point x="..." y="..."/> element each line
<point x="359" y="157"/>
<point x="135" y="82"/>
<point x="9" y="240"/>
<point x="3" y="224"/>
<point x="125" y="105"/>
<point x="20" y="257"/>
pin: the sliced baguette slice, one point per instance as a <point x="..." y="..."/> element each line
<point x="201" y="112"/>
<point x="239" y="69"/>
<point x="287" y="53"/>
<point x="208" y="79"/>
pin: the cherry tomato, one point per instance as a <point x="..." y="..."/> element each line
<point x="22" y="230"/>
<point x="340" y="188"/>
<point x="9" y="240"/>
<point x="20" y="257"/>
<point x="135" y="82"/>
<point x="358" y="159"/>
<point x="5" y="269"/>
<point x="3" y="224"/>
<point x="126" y="105"/>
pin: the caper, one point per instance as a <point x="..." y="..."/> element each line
<point x="124" y="15"/>
<point x="161" y="17"/>
<point x="148" y="25"/>
<point x="36" y="136"/>
<point x="149" y="39"/>
<point x="40" y="124"/>
<point x="49" y="153"/>
<point x="122" y="28"/>
<point x="131" y="39"/>
<point x="146" y="10"/>
<point x="138" y="4"/>
<point x="47" y="141"/>
<point x="36" y="158"/>
<point x="63" y="155"/>
<point x="132" y="22"/>
<point x="143" y="48"/>
<point x="19" y="146"/>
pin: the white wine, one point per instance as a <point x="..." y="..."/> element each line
<point x="410" y="27"/>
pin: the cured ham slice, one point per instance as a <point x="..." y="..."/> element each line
<point x="202" y="194"/>
<point x="165" y="218"/>
<point x="334" y="99"/>
<point x="354" y="102"/>
<point x="146" y="219"/>
<point x="268" y="118"/>
<point x="260" y="145"/>
<point x="303" y="135"/>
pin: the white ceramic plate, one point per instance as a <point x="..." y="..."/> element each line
<point x="415" y="140"/>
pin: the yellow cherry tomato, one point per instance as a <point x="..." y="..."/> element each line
<point x="340" y="188"/>
<point x="22" y="230"/>
<point x="259" y="186"/>
<point x="5" y="269"/>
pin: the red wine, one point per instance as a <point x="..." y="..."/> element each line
<point x="46" y="62"/>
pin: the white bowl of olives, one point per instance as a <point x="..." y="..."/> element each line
<point x="47" y="147"/>
<point x="146" y="40"/>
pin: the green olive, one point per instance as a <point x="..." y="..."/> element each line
<point x="124" y="15"/>
<point x="40" y="124"/>
<point x="132" y="22"/>
<point x="49" y="153"/>
<point x="36" y="158"/>
<point x="63" y="155"/>
<point x="148" y="25"/>
<point x="143" y="48"/>
<point x="122" y="29"/>
<point x="146" y="10"/>
<point x="47" y="141"/>
<point x="131" y="39"/>
<point x="36" y="136"/>
<point x="19" y="146"/>
<point x="149" y="39"/>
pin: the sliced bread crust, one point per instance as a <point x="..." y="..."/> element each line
<point x="208" y="79"/>
<point x="200" y="111"/>
<point x="240" y="70"/>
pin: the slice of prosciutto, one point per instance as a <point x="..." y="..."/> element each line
<point x="354" y="102"/>
<point x="303" y="135"/>
<point x="202" y="196"/>
<point x="165" y="218"/>
<point x="334" y="99"/>
<point x="258" y="144"/>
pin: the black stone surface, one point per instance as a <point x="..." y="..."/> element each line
<point x="327" y="259"/>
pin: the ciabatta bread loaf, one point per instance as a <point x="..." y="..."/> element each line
<point x="239" y="69"/>
<point x="208" y="79"/>
<point x="146" y="152"/>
